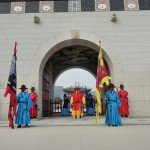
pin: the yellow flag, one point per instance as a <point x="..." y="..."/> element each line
<point x="102" y="78"/>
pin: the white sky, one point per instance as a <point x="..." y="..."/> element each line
<point x="69" y="77"/>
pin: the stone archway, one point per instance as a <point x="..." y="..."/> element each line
<point x="70" y="56"/>
<point x="57" y="42"/>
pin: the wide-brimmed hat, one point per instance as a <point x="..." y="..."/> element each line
<point x="77" y="88"/>
<point x="90" y="94"/>
<point x="23" y="87"/>
<point x="121" y="85"/>
<point x="111" y="85"/>
<point x="32" y="88"/>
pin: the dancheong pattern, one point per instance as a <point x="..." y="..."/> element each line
<point x="42" y="6"/>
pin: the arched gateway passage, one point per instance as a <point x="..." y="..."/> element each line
<point x="64" y="56"/>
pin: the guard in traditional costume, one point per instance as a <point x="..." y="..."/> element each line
<point x="65" y="110"/>
<point x="112" y="103"/>
<point x="34" y="109"/>
<point x="123" y="95"/>
<point x="24" y="105"/>
<point x="77" y="101"/>
<point x="90" y="105"/>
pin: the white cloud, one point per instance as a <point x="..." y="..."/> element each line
<point x="69" y="77"/>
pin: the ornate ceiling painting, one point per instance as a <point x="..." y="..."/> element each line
<point x="74" y="55"/>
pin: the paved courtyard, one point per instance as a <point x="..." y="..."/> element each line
<point x="58" y="133"/>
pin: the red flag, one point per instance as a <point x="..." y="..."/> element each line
<point x="11" y="89"/>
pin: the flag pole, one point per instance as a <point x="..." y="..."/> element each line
<point x="98" y="103"/>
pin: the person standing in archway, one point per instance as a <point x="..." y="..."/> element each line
<point x="90" y="105"/>
<point x="34" y="109"/>
<point x="123" y="95"/>
<point x="77" y="101"/>
<point x="24" y="105"/>
<point x="65" y="109"/>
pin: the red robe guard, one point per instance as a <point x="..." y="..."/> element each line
<point x="77" y="101"/>
<point x="123" y="95"/>
<point x="34" y="109"/>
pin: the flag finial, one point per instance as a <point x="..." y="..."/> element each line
<point x="99" y="43"/>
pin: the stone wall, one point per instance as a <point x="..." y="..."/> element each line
<point x="125" y="42"/>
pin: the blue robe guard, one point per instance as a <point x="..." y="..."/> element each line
<point x="112" y="102"/>
<point x="23" y="112"/>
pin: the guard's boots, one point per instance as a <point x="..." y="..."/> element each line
<point x="19" y="126"/>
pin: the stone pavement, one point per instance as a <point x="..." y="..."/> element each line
<point x="67" y="133"/>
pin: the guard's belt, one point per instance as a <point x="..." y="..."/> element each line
<point x="23" y="102"/>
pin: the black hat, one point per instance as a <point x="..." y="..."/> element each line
<point x="32" y="88"/>
<point x="121" y="85"/>
<point x="23" y="87"/>
<point x="111" y="85"/>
